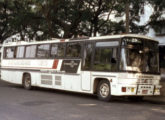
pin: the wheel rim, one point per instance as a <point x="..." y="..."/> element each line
<point x="27" y="82"/>
<point x="104" y="90"/>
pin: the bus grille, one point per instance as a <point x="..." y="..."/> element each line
<point x="57" y="80"/>
<point x="47" y="82"/>
<point x="145" y="81"/>
<point x="46" y="79"/>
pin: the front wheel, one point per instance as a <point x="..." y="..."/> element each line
<point x="103" y="90"/>
<point x="27" y="82"/>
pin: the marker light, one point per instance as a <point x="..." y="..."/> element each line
<point x="123" y="89"/>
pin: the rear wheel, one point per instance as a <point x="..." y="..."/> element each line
<point x="103" y="90"/>
<point x="27" y="82"/>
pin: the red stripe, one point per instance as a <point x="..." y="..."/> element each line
<point x="62" y="40"/>
<point x="55" y="64"/>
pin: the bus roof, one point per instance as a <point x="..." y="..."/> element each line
<point x="121" y="36"/>
<point x="55" y="40"/>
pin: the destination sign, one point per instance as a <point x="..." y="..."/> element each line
<point x="132" y="40"/>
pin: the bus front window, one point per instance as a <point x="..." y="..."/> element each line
<point x="140" y="56"/>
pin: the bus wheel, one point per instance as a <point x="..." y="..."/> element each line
<point x="27" y="82"/>
<point x="103" y="91"/>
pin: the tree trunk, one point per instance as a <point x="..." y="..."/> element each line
<point x="127" y="16"/>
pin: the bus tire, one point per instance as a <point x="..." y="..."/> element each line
<point x="27" y="82"/>
<point x="104" y="91"/>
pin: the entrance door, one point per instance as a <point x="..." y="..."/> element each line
<point x="86" y="66"/>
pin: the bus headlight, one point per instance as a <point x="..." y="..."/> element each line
<point x="157" y="90"/>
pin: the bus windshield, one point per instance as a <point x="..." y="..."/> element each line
<point x="139" y="55"/>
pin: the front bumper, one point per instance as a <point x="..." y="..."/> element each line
<point x="135" y="90"/>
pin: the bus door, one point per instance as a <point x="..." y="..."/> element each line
<point x="86" y="65"/>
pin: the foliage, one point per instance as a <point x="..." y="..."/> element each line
<point x="44" y="19"/>
<point x="6" y="16"/>
<point x="157" y="21"/>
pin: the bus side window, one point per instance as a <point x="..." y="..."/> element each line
<point x="20" y="52"/>
<point x="43" y="51"/>
<point x="9" y="52"/>
<point x="105" y="59"/>
<point x="73" y="50"/>
<point x="87" y="56"/>
<point x="30" y="51"/>
<point x="57" y="50"/>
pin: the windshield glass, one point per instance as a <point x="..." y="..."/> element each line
<point x="139" y="55"/>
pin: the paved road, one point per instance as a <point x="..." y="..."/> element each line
<point x="43" y="104"/>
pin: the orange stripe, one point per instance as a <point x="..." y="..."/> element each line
<point x="55" y="64"/>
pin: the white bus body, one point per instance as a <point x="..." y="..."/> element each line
<point x="67" y="73"/>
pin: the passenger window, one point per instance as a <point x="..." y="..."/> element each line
<point x="73" y="50"/>
<point x="43" y="51"/>
<point x="87" y="56"/>
<point x="57" y="50"/>
<point x="30" y="51"/>
<point x="105" y="59"/>
<point x="9" y="52"/>
<point x="20" y="52"/>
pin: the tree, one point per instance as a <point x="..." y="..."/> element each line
<point x="127" y="15"/>
<point x="99" y="16"/>
<point x="17" y="17"/>
<point x="136" y="8"/>
<point x="6" y="16"/>
<point x="157" y="20"/>
<point x="61" y="15"/>
<point x="70" y="18"/>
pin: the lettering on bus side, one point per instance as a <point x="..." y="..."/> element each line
<point x="70" y="66"/>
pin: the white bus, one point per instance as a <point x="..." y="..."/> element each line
<point x="117" y="65"/>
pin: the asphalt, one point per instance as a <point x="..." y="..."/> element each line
<point x="160" y="99"/>
<point x="17" y="103"/>
<point x="157" y="99"/>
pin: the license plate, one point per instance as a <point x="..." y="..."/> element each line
<point x="144" y="91"/>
